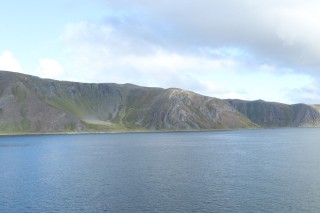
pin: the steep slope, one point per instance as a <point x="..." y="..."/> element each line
<point x="178" y="109"/>
<point x="21" y="111"/>
<point x="113" y="107"/>
<point x="30" y="104"/>
<point x="270" y="114"/>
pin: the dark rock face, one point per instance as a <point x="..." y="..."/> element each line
<point x="268" y="114"/>
<point x="30" y="104"/>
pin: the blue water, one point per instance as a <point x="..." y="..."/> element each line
<point x="274" y="170"/>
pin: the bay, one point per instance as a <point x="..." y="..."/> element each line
<point x="268" y="170"/>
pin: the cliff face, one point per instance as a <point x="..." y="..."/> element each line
<point x="31" y="104"/>
<point x="269" y="114"/>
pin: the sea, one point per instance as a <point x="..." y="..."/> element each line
<point x="262" y="170"/>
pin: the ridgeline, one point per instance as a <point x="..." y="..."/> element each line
<point x="30" y="104"/>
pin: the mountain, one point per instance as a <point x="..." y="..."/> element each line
<point x="30" y="104"/>
<point x="270" y="114"/>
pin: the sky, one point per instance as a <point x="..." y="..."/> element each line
<point x="244" y="49"/>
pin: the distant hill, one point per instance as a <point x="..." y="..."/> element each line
<point x="270" y="114"/>
<point x="30" y="104"/>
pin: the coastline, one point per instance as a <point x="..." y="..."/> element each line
<point x="139" y="132"/>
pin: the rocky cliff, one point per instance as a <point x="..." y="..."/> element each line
<point x="30" y="104"/>
<point x="270" y="114"/>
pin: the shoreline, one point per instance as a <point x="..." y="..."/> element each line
<point x="139" y="132"/>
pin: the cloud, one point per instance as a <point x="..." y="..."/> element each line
<point x="103" y="53"/>
<point x="97" y="53"/>
<point x="9" y="63"/>
<point x="49" y="68"/>
<point x="233" y="48"/>
<point x="310" y="94"/>
<point x="282" y="32"/>
<point x="205" y="46"/>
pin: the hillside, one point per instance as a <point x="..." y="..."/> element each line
<point x="30" y="104"/>
<point x="270" y="114"/>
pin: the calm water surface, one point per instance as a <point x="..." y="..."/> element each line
<point x="275" y="170"/>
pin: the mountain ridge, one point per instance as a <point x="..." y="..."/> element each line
<point x="30" y="104"/>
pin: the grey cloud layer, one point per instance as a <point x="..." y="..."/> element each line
<point x="182" y="43"/>
<point x="281" y="32"/>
